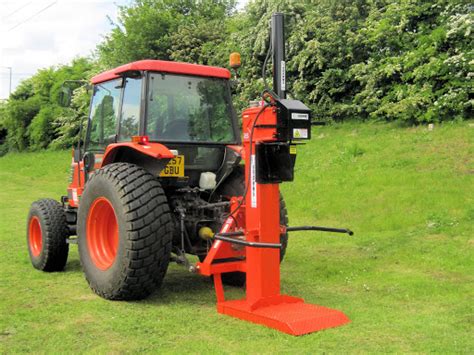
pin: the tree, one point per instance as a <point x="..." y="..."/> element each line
<point x="166" y="30"/>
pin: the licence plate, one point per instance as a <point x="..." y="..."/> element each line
<point x="174" y="168"/>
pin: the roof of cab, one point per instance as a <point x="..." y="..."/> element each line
<point x="163" y="66"/>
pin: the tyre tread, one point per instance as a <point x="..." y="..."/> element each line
<point x="147" y="216"/>
<point x="55" y="248"/>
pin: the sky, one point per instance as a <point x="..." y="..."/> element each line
<point x="40" y="33"/>
<point x="35" y="34"/>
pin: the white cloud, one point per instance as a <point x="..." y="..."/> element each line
<point x="31" y="39"/>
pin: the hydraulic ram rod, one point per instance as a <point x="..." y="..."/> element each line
<point x="248" y="244"/>
<point x="226" y="237"/>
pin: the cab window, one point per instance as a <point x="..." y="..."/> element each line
<point x="104" y="115"/>
<point x="189" y="109"/>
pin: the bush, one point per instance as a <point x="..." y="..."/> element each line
<point x="32" y="117"/>
<point x="41" y="130"/>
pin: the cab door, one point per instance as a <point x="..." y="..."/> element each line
<point x="103" y="122"/>
<point x="101" y="131"/>
<point x="130" y="109"/>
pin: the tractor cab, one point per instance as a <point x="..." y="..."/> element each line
<point x="183" y="108"/>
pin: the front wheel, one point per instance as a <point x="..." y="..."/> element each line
<point x="47" y="232"/>
<point x="125" y="232"/>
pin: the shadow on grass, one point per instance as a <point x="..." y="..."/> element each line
<point x="182" y="287"/>
<point x="179" y="286"/>
<point x="73" y="266"/>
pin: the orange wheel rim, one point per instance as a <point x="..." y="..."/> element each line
<point x="102" y="233"/>
<point x="35" y="236"/>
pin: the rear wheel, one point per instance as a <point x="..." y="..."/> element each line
<point x="47" y="232"/>
<point x="124" y="229"/>
<point x="235" y="186"/>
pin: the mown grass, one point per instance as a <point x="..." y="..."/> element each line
<point x="405" y="279"/>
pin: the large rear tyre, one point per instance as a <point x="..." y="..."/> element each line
<point x="47" y="232"/>
<point x="235" y="186"/>
<point x="125" y="232"/>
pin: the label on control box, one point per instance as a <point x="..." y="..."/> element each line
<point x="300" y="133"/>
<point x="253" y="183"/>
<point x="283" y="76"/>
<point x="299" y="116"/>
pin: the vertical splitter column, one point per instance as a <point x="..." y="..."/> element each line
<point x="269" y="130"/>
<point x="267" y="163"/>
<point x="262" y="209"/>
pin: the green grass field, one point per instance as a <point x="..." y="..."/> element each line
<point x="406" y="279"/>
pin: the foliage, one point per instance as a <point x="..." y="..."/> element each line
<point x="33" y="118"/>
<point x="17" y="115"/>
<point x="185" y="30"/>
<point x="420" y="73"/>
<point x="394" y="60"/>
<point x="406" y="60"/>
<point x="41" y="130"/>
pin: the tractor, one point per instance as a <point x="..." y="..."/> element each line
<point x="164" y="173"/>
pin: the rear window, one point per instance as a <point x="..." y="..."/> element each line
<point x="189" y="109"/>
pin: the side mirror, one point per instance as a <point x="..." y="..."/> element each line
<point x="65" y="96"/>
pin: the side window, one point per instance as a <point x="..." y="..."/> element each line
<point x="104" y="114"/>
<point x="130" y="109"/>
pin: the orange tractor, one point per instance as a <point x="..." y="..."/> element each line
<point x="160" y="176"/>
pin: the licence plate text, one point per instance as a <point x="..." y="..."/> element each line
<point x="174" y="168"/>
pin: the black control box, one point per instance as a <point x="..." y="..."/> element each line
<point x="275" y="162"/>
<point x="293" y="120"/>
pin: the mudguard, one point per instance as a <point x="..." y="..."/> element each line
<point x="153" y="150"/>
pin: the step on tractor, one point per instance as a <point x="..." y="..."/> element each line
<point x="164" y="173"/>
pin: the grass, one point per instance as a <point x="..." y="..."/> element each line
<point x="405" y="279"/>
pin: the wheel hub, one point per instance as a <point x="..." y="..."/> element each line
<point x="102" y="233"/>
<point x="35" y="236"/>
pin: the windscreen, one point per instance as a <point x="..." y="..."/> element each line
<point x="189" y="109"/>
